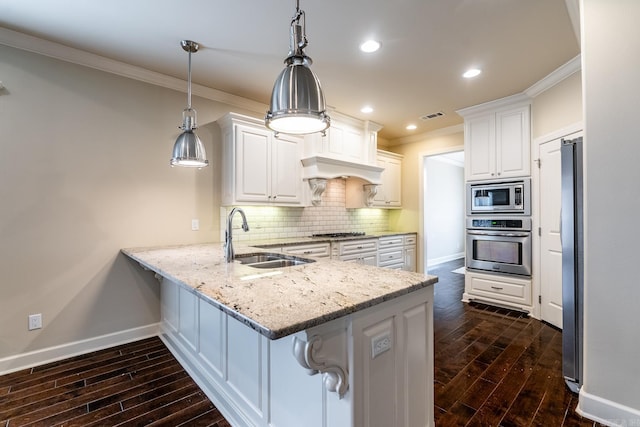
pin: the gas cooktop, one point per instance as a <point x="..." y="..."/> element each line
<point x="348" y="234"/>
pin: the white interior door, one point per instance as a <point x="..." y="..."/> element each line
<point x="550" y="245"/>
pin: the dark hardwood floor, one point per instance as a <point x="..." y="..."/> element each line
<point x="493" y="367"/>
<point x="131" y="385"/>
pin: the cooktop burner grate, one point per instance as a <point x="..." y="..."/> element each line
<point x="348" y="234"/>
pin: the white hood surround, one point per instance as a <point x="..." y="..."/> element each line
<point x="317" y="170"/>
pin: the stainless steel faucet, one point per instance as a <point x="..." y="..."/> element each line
<point x="228" y="237"/>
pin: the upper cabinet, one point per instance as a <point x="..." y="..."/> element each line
<point x="497" y="139"/>
<point x="257" y="167"/>
<point x="347" y="139"/>
<point x="389" y="193"/>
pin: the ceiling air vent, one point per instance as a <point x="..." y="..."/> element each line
<point x="432" y="116"/>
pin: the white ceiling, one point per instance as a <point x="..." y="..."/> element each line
<point x="426" y="46"/>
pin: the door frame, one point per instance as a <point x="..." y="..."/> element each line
<point x="422" y="158"/>
<point x="536" y="288"/>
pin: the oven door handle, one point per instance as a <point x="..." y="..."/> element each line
<point x="498" y="234"/>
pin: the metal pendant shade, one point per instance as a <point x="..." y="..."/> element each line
<point x="297" y="101"/>
<point x="188" y="150"/>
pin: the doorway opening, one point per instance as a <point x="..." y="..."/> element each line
<point x="443" y="208"/>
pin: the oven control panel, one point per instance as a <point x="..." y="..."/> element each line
<point x="523" y="224"/>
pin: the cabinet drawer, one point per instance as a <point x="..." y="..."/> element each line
<point x="388" y="257"/>
<point x="391" y="241"/>
<point x="410" y="240"/>
<point x="518" y="291"/>
<point x="314" y="250"/>
<point x="357" y="246"/>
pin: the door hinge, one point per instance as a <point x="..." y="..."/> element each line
<point x="538" y="162"/>
<point x="539" y="299"/>
<point x="539" y="231"/>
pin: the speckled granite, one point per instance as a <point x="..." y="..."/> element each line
<point x="278" y="302"/>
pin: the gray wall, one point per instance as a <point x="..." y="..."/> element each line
<point x="84" y="172"/>
<point x="611" y="42"/>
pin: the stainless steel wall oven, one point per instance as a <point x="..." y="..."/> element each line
<point x="499" y="244"/>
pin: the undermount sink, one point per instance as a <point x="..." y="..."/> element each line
<point x="271" y="260"/>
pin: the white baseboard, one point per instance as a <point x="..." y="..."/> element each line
<point x="606" y="411"/>
<point x="435" y="261"/>
<point x="64" y="351"/>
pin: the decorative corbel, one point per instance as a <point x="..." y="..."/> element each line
<point x="370" y="191"/>
<point x="317" y="185"/>
<point x="334" y="376"/>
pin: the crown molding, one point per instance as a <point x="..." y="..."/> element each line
<point x="558" y="75"/>
<point x="76" y="56"/>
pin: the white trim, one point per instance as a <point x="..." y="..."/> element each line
<point x="605" y="411"/>
<point x="436" y="261"/>
<point x="76" y="56"/>
<point x="573" y="8"/>
<point x="556" y="76"/>
<point x="65" y="351"/>
<point x="560" y="133"/>
<point x="496" y="105"/>
<point x="421" y="261"/>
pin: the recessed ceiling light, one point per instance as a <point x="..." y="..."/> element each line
<point x="411" y="127"/>
<point x="471" y="72"/>
<point x="366" y="109"/>
<point x="370" y="46"/>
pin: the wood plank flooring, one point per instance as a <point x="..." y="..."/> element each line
<point x="130" y="385"/>
<point x="493" y="367"/>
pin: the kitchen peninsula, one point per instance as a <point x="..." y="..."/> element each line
<point x="255" y="338"/>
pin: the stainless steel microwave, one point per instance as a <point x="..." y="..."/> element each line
<point x="502" y="197"/>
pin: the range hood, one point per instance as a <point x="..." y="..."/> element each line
<point x="318" y="169"/>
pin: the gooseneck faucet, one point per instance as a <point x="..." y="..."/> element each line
<point x="228" y="237"/>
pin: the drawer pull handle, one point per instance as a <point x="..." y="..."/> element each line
<point x="497" y="288"/>
<point x="359" y="247"/>
<point x="307" y="252"/>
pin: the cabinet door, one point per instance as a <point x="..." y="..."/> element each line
<point x="513" y="143"/>
<point x="390" y="192"/>
<point x="409" y="258"/>
<point x="480" y="147"/>
<point x="286" y="185"/>
<point x="391" y="178"/>
<point x="252" y="163"/>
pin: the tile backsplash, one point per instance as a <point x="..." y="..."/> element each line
<point x="269" y="222"/>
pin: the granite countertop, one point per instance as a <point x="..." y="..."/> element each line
<point x="283" y="301"/>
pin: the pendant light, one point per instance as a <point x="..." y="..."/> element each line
<point x="297" y="102"/>
<point x="188" y="151"/>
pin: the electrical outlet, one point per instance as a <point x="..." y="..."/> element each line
<point x="380" y="344"/>
<point x="195" y="224"/>
<point x="35" y="321"/>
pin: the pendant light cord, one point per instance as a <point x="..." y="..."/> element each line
<point x="189" y="84"/>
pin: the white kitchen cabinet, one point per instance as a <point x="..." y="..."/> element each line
<point x="360" y="251"/>
<point x="501" y="290"/>
<point x="409" y="248"/>
<point x="497" y="139"/>
<point x="316" y="250"/>
<point x="257" y="167"/>
<point x="389" y="193"/>
<point x="391" y="252"/>
<point x="347" y="139"/>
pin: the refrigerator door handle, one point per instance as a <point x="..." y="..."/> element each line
<point x="560" y="226"/>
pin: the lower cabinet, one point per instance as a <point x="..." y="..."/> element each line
<point x="371" y="368"/>
<point x="410" y="254"/>
<point x="398" y="251"/>
<point x="511" y="291"/>
<point x="317" y="250"/>
<point x="361" y="251"/>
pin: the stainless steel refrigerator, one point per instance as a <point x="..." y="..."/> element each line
<point x="572" y="237"/>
